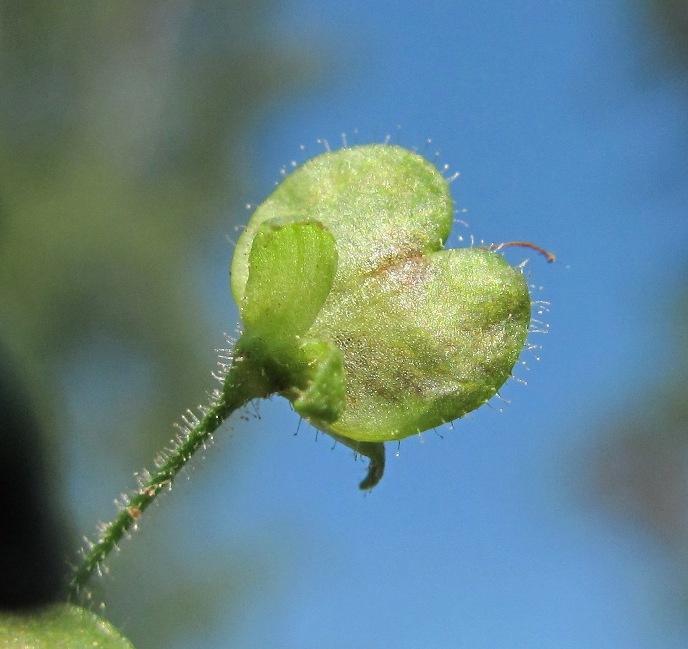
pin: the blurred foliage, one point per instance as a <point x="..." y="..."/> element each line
<point x="122" y="127"/>
<point x="643" y="466"/>
<point x="32" y="548"/>
<point x="642" y="469"/>
<point x="671" y="17"/>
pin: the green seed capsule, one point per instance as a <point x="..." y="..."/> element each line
<point x="350" y="302"/>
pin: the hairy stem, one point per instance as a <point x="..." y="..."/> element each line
<point x="241" y="386"/>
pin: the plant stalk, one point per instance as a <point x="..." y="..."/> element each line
<point x="240" y="386"/>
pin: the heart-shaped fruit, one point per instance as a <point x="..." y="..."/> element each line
<point x="356" y="312"/>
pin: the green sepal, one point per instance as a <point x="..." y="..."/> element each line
<point x="307" y="371"/>
<point x="320" y="386"/>
<point x="291" y="265"/>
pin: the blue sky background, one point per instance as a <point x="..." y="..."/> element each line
<point x="490" y="536"/>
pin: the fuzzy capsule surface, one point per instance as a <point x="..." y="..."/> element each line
<point x="346" y="291"/>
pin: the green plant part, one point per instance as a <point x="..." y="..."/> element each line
<point x="60" y="626"/>
<point x="353" y="310"/>
<point x="346" y="259"/>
